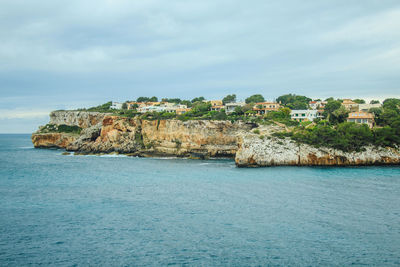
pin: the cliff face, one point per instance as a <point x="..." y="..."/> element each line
<point x="113" y="134"/>
<point x="201" y="138"/>
<point x="103" y="133"/>
<point x="254" y="152"/>
<point x="52" y="140"/>
<point x="164" y="137"/>
<point x="82" y="119"/>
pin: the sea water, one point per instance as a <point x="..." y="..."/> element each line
<point x="123" y="211"/>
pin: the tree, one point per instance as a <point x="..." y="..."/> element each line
<point x="201" y="107"/>
<point x="255" y="99"/>
<point x="187" y="103"/>
<point x="294" y="101"/>
<point x="198" y="99"/>
<point x="102" y="108"/>
<point x="147" y="99"/>
<point x="238" y="110"/>
<point x="124" y="106"/>
<point x="330" y="107"/>
<point x="374" y="102"/>
<point x="298" y="105"/>
<point x="171" y="100"/>
<point x="339" y="115"/>
<point x="359" y="101"/>
<point x="377" y="113"/>
<point x="247" y="107"/>
<point x="229" y="99"/>
<point x="391" y="103"/>
<point x="142" y="99"/>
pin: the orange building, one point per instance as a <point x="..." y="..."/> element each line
<point x="264" y="107"/>
<point x="361" y="117"/>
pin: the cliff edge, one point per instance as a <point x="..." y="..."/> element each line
<point x="93" y="132"/>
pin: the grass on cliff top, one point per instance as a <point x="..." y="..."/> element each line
<point x="53" y="128"/>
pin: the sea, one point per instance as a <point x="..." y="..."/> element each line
<point x="66" y="210"/>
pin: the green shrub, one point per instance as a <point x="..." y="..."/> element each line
<point x="256" y="131"/>
<point x="53" y="128"/>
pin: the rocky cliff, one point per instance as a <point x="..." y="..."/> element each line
<point x="83" y="119"/>
<point x="271" y="151"/>
<point x="197" y="138"/>
<point x="103" y="133"/>
<point x="52" y="140"/>
<point x="161" y="137"/>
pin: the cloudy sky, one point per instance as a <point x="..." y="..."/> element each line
<point x="80" y="53"/>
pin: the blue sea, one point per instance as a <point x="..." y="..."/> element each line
<point x="62" y="210"/>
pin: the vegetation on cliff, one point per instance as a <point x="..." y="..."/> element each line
<point x="336" y="133"/>
<point x="53" y="128"/>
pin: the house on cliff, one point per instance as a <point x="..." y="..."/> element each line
<point x="362" y="117"/>
<point x="350" y="105"/>
<point x="367" y="107"/>
<point x="230" y="107"/>
<point x="317" y="104"/>
<point x="305" y="115"/>
<point x="116" y="105"/>
<point x="264" y="107"/>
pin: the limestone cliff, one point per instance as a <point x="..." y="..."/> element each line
<point x="83" y="119"/>
<point x="103" y="133"/>
<point x="52" y="140"/>
<point x="161" y="137"/>
<point x="256" y="152"/>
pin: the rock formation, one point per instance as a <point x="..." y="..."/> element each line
<point x="254" y="152"/>
<point x="103" y="133"/>
<point x="83" y="119"/>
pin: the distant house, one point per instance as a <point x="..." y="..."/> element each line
<point x="305" y="115"/>
<point x="180" y="111"/>
<point x="165" y="107"/>
<point x="367" y="107"/>
<point x="116" y="105"/>
<point x="230" y="107"/>
<point x="361" y="117"/>
<point x="217" y="107"/>
<point x="134" y="104"/>
<point x="216" y="103"/>
<point x="350" y="105"/>
<point x="264" y="107"/>
<point x="317" y="104"/>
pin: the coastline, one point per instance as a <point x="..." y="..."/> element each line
<point x="103" y="134"/>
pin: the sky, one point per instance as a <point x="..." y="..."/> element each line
<point x="82" y="53"/>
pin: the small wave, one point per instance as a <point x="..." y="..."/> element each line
<point x="165" y="158"/>
<point x="112" y="156"/>
<point x="26" y="147"/>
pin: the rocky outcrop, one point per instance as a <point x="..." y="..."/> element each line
<point x="52" y="140"/>
<point x="83" y="119"/>
<point x="193" y="138"/>
<point x="104" y="133"/>
<point x="161" y="137"/>
<point x="255" y="152"/>
<point x="113" y="134"/>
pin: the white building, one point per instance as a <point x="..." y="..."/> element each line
<point x="304" y="115"/>
<point x="161" y="108"/>
<point x="317" y="104"/>
<point x="230" y="107"/>
<point x="366" y="107"/>
<point x="116" y="105"/>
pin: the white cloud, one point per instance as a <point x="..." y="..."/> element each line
<point x="23" y="114"/>
<point x="376" y="28"/>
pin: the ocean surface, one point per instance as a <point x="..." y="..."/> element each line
<point x="62" y="210"/>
